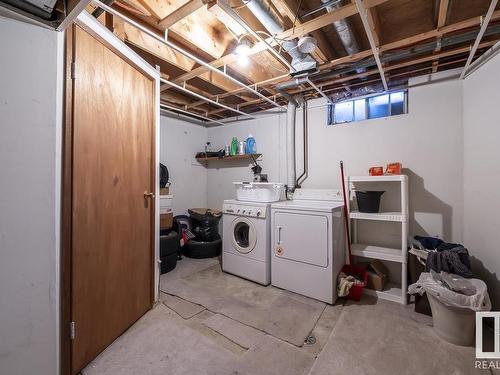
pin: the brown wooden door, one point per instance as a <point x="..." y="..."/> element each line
<point x="112" y="221"/>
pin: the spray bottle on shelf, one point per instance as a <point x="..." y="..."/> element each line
<point x="251" y="146"/>
<point x="234" y="146"/>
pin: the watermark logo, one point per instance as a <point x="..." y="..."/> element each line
<point x="495" y="316"/>
<point x="487" y="359"/>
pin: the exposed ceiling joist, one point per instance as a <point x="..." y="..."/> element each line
<point x="471" y="22"/>
<point x="414" y="39"/>
<point x="294" y="32"/>
<point x="364" y="18"/>
<point x="389" y="68"/>
<point x="181" y="12"/>
<point x="442" y="15"/>
<point x="151" y="9"/>
<point x="374" y="24"/>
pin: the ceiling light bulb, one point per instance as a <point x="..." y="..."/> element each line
<point x="243" y="59"/>
<point x="243" y="48"/>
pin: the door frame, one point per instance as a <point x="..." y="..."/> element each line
<point x="92" y="26"/>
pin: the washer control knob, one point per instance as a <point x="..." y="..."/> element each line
<point x="243" y="211"/>
<point x="259" y="213"/>
<point x="238" y="210"/>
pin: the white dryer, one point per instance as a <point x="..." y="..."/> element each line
<point x="246" y="240"/>
<point x="308" y="243"/>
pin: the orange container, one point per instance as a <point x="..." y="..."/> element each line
<point x="393" y="168"/>
<point x="376" y="171"/>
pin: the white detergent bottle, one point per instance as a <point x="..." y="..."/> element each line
<point x="251" y="147"/>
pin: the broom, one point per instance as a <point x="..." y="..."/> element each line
<point x="346" y="218"/>
<point x="358" y="272"/>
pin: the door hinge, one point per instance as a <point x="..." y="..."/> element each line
<point x="73" y="70"/>
<point x="72" y="330"/>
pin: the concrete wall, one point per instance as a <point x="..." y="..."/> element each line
<point x="29" y="128"/>
<point x="428" y="141"/>
<point x="179" y="143"/>
<point x="482" y="173"/>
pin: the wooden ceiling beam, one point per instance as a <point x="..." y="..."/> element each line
<point x="145" y="4"/>
<point x="471" y="22"/>
<point x="255" y="72"/>
<point x="180" y="13"/>
<point x="374" y="23"/>
<point x="294" y="32"/>
<point x="441" y="21"/>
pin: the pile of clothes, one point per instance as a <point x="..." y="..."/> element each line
<point x="442" y="256"/>
<point x="345" y="283"/>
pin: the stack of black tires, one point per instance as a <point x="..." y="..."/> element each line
<point x="207" y="242"/>
<point x="169" y="248"/>
<point x="200" y="232"/>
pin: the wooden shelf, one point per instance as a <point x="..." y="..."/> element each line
<point x="226" y="158"/>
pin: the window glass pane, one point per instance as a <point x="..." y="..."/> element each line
<point x="360" y="110"/>
<point x="343" y="112"/>
<point x="378" y="106"/>
<point x="397" y="103"/>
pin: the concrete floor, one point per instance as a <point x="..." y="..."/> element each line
<point x="181" y="337"/>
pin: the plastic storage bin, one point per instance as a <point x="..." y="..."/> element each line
<point x="264" y="192"/>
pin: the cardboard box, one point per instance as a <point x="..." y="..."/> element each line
<point x="165" y="191"/>
<point x="166" y="220"/>
<point x="377" y="274"/>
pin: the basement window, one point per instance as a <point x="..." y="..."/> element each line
<point x="384" y="105"/>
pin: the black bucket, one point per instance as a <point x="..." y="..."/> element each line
<point x="369" y="201"/>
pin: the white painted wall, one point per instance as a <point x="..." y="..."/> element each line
<point x="29" y="138"/>
<point x="428" y="141"/>
<point x="482" y="173"/>
<point x="269" y="133"/>
<point x="179" y="143"/>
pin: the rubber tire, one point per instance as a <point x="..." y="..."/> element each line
<point x="168" y="263"/>
<point x="202" y="250"/>
<point x="169" y="244"/>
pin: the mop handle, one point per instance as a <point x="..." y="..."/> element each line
<point x="346" y="218"/>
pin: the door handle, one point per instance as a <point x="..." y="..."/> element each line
<point x="148" y="195"/>
<point x="279" y="235"/>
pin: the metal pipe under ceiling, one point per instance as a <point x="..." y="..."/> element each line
<point x="196" y="95"/>
<point x="177" y="111"/>
<point x="183" y="51"/>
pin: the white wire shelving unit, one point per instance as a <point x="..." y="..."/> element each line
<point x="393" y="292"/>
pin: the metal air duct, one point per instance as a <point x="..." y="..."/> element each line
<point x="265" y="13"/>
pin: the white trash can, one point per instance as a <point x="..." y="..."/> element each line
<point x="453" y="314"/>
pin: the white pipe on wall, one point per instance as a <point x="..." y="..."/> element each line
<point x="290" y="146"/>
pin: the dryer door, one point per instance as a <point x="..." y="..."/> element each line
<point x="244" y="235"/>
<point x="302" y="237"/>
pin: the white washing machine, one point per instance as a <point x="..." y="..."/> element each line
<point x="308" y="243"/>
<point x="246" y="240"/>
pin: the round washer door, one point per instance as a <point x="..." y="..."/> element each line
<point x="244" y="236"/>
